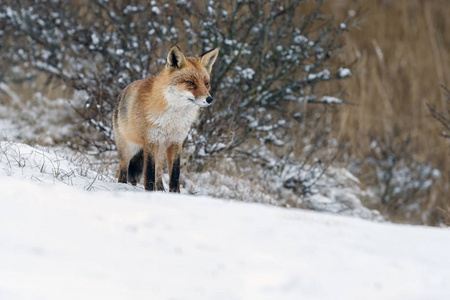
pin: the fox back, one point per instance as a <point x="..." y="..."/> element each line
<point x="153" y="117"/>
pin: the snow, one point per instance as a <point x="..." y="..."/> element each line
<point x="330" y="99"/>
<point x="344" y="72"/>
<point x="248" y="73"/>
<point x="60" y="241"/>
<point x="156" y="10"/>
<point x="36" y="117"/>
<point x="95" y="39"/>
<point x="323" y="75"/>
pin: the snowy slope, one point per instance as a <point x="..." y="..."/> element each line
<point x="59" y="241"/>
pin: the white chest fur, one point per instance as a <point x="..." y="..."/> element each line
<point x="173" y="125"/>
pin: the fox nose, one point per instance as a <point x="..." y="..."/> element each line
<point x="209" y="100"/>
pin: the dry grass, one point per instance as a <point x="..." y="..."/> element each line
<point x="403" y="58"/>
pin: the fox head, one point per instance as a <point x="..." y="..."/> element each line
<point x="189" y="77"/>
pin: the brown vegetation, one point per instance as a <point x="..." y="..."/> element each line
<point x="403" y="59"/>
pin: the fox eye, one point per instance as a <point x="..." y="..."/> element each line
<point x="191" y="83"/>
<point x="207" y="83"/>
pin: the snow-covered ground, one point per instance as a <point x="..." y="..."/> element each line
<point x="67" y="234"/>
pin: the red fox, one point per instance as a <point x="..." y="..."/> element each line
<point x="153" y="116"/>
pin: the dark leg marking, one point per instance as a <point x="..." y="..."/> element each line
<point x="149" y="173"/>
<point x="175" y="176"/>
<point x="136" y="167"/>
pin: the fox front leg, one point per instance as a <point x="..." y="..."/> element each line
<point x="150" y="153"/>
<point x="173" y="162"/>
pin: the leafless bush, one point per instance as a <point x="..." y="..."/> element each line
<point x="442" y="117"/>
<point x="271" y="52"/>
<point x="400" y="180"/>
<point x="274" y="56"/>
<point x="440" y="213"/>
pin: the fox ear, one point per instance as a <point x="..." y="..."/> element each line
<point x="175" y="58"/>
<point x="208" y="58"/>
